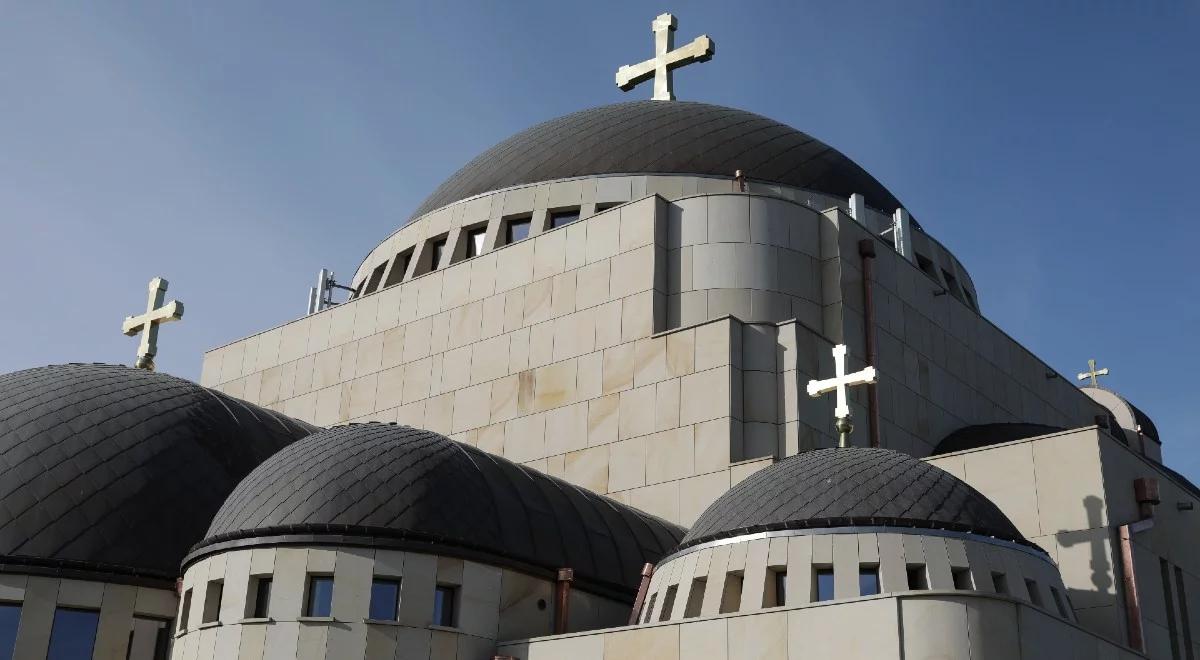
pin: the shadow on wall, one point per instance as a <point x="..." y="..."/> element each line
<point x="1101" y="562"/>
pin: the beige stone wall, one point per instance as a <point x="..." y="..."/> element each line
<point x="117" y="605"/>
<point x="492" y="603"/>
<point x="700" y="576"/>
<point x="915" y="626"/>
<point x="1068" y="492"/>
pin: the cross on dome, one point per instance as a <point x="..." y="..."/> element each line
<point x="156" y="314"/>
<point x="666" y="59"/>
<point x="840" y="381"/>
<point x="1092" y="373"/>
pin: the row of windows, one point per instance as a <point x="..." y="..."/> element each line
<point x="73" y="634"/>
<point x="822" y="589"/>
<point x="318" y="600"/>
<point x="514" y="228"/>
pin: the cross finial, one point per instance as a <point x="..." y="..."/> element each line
<point x="840" y="381"/>
<point x="147" y="324"/>
<point x="1092" y="373"/>
<point x="665" y="59"/>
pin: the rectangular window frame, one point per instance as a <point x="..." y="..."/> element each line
<point x="668" y="602"/>
<point x="823" y="585"/>
<point x="54" y="650"/>
<point x="870" y="573"/>
<point x="695" y="600"/>
<point x="258" y="596"/>
<point x="561" y="217"/>
<point x="445" y="605"/>
<point x="214" y="593"/>
<point x="962" y="578"/>
<point x="917" y="577"/>
<point x="185" y="609"/>
<point x="393" y="603"/>
<point x="775" y="588"/>
<point x="14" y="611"/>
<point x="313" y="609"/>
<point x="474" y="241"/>
<point x="374" y="280"/>
<point x="731" y="592"/>
<point x="524" y="221"/>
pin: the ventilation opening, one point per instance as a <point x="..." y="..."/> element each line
<point x="695" y="598"/>
<point x="822" y="583"/>
<point x="918" y="578"/>
<point x="668" y="602"/>
<point x="868" y="580"/>
<point x="962" y="579"/>
<point x="731" y="595"/>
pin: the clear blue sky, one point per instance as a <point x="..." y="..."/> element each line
<point x="236" y="147"/>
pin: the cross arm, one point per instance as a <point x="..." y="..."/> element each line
<point x="172" y="311"/>
<point x="629" y="76"/>
<point x="700" y="49"/>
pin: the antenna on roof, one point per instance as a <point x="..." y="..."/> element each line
<point x="321" y="296"/>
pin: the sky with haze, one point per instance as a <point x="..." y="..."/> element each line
<point x="236" y="147"/>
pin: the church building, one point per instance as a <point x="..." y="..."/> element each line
<point x="658" y="379"/>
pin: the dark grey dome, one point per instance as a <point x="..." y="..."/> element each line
<point x="384" y="485"/>
<point x="658" y="137"/>
<point x="847" y="488"/>
<point x="986" y="435"/>
<point x="116" y="471"/>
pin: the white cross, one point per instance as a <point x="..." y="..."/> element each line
<point x="665" y="59"/>
<point x="840" y="381"/>
<point x="147" y="324"/>
<point x="1092" y="372"/>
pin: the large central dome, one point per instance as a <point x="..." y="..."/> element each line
<point x="660" y="137"/>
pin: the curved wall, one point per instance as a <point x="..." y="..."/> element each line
<point x="744" y="574"/>
<point x="490" y="603"/>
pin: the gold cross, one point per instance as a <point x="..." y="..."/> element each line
<point x="1092" y="373"/>
<point x="147" y="324"/>
<point x="665" y="59"/>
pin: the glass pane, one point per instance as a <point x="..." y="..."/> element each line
<point x="10" y="616"/>
<point x="780" y="587"/>
<point x="563" y="218"/>
<point x="438" y="248"/>
<point x="320" y="596"/>
<point x="148" y="639"/>
<point x="868" y="582"/>
<point x="262" y="598"/>
<point x="73" y="634"/>
<point x="518" y="230"/>
<point x="824" y="584"/>
<point x="385" y="598"/>
<point x="443" y="606"/>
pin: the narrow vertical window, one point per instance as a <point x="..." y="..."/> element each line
<point x="516" y="229"/>
<point x="320" y="596"/>
<point x="695" y="598"/>
<point x="385" y="600"/>
<point x="668" y="602"/>
<point x="474" y="238"/>
<point x="399" y="268"/>
<point x="563" y="218"/>
<point x="212" y="601"/>
<point x="962" y="579"/>
<point x="1035" y="594"/>
<point x="444" y="605"/>
<point x="436" y="248"/>
<point x="868" y="580"/>
<point x="10" y="619"/>
<point x="1000" y="583"/>
<point x="149" y="639"/>
<point x="731" y="595"/>
<point x="1183" y="610"/>
<point x="774" y="591"/>
<point x="822" y="583"/>
<point x="918" y="579"/>
<point x="649" y="608"/>
<point x="1169" y="604"/>
<point x="185" y="608"/>
<point x="73" y="634"/>
<point x="258" y="603"/>
<point x="375" y="278"/>
<point x="1058" y="602"/>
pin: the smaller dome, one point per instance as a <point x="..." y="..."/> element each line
<point x="1130" y="417"/>
<point x="383" y="485"/>
<point x="851" y="487"/>
<point x="110" y="470"/>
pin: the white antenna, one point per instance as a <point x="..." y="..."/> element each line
<point x="320" y="297"/>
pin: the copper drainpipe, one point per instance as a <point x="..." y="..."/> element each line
<point x="866" y="250"/>
<point x="643" y="587"/>
<point x="1146" y="492"/>
<point x="562" y="599"/>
